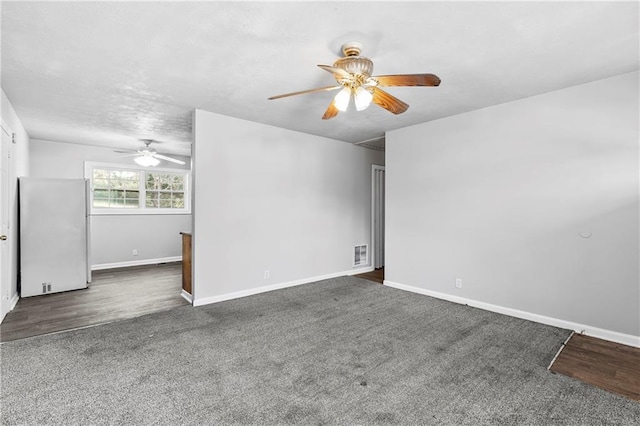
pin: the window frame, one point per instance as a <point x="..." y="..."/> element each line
<point x="89" y="166"/>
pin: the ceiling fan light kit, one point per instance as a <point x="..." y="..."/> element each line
<point x="353" y="75"/>
<point x="342" y="99"/>
<point x="362" y="98"/>
<point x="147" y="161"/>
<point x="146" y="157"/>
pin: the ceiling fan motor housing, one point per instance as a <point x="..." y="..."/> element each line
<point x="352" y="62"/>
<point x="355" y="65"/>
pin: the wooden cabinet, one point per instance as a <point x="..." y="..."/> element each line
<point x="186" y="262"/>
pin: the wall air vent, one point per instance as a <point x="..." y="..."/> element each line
<point x="360" y="255"/>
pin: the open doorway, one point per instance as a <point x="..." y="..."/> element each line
<point x="377" y="217"/>
<point x="377" y="226"/>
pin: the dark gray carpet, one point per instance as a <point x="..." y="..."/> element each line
<point x="342" y="351"/>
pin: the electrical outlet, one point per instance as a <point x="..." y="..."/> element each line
<point x="266" y="275"/>
<point x="135" y="252"/>
<point x="458" y="282"/>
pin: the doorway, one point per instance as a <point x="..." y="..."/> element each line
<point x="377" y="215"/>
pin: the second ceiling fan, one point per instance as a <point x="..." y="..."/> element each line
<point x="353" y="75"/>
<point x="148" y="157"/>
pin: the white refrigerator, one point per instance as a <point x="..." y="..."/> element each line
<point x="54" y="235"/>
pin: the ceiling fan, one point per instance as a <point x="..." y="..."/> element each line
<point x="353" y="74"/>
<point x="147" y="157"/>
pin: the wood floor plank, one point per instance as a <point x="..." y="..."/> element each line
<point x="113" y="295"/>
<point x="376" y="275"/>
<point x="607" y="365"/>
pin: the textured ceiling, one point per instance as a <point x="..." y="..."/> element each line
<point x="110" y="73"/>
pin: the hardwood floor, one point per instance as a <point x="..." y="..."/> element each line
<point x="376" y="275"/>
<point x="114" y="294"/>
<point x="610" y="366"/>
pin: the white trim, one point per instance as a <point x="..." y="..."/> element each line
<point x="363" y="270"/>
<point x="186" y="296"/>
<point x="564" y="345"/>
<point x="374" y="167"/>
<point x="142" y="209"/>
<point x="88" y="165"/>
<point x="264" y="289"/>
<point x="7" y="268"/>
<point x="136" y="263"/>
<point x="5" y="127"/>
<point x="14" y="300"/>
<point x="129" y="212"/>
<point x="613" y="336"/>
<point x="12" y="305"/>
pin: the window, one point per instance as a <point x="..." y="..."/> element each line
<point x="119" y="189"/>
<point x="164" y="190"/>
<point x="115" y="189"/>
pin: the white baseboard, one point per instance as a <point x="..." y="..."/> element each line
<point x="12" y="304"/>
<point x="136" y="263"/>
<point x="186" y="296"/>
<point x="264" y="289"/>
<point x="613" y="336"/>
<point x="362" y="270"/>
<point x="13" y="301"/>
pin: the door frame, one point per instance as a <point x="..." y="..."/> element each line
<point x="374" y="197"/>
<point x="6" y="258"/>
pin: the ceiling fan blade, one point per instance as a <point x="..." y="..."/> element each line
<point x="388" y="101"/>
<point x="125" y="151"/>
<point x="128" y="155"/>
<point x="407" y="80"/>
<point x="302" y="92"/>
<point x="337" y="72"/>
<point x="331" y="112"/>
<point x="163" y="157"/>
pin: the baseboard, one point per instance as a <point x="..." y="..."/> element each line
<point x="264" y="289"/>
<point x="12" y="304"/>
<point x="186" y="296"/>
<point x="13" y="301"/>
<point x="362" y="270"/>
<point x="136" y="263"/>
<point x="613" y="336"/>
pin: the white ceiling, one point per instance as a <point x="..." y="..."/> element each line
<point x="108" y="74"/>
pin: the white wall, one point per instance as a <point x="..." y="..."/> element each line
<point x="500" y="197"/>
<point x="18" y="166"/>
<point x="273" y="199"/>
<point x="113" y="237"/>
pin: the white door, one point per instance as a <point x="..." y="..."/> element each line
<point x="5" y="280"/>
